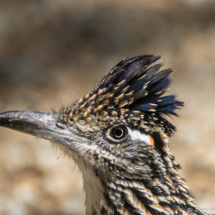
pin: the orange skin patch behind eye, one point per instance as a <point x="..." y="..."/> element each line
<point x="151" y="140"/>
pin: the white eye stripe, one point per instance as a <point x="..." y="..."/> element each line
<point x="137" y="135"/>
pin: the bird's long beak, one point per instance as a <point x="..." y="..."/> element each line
<point x="40" y="124"/>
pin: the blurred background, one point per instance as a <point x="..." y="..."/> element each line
<point x="54" y="52"/>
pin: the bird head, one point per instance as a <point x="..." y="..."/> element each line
<point x="121" y="121"/>
<point x="118" y="132"/>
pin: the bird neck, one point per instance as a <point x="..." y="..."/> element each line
<point x="165" y="194"/>
<point x="94" y="191"/>
<point x="115" y="194"/>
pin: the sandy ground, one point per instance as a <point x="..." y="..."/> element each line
<point x="54" y="52"/>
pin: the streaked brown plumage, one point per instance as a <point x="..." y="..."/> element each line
<point x="119" y="137"/>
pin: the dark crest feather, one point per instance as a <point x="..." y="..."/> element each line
<point x="147" y="84"/>
<point x="135" y="86"/>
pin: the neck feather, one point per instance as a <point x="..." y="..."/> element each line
<point x="165" y="194"/>
<point x="115" y="194"/>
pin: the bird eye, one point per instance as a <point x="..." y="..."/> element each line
<point x="117" y="133"/>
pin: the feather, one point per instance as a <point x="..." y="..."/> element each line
<point x="145" y="107"/>
<point x="135" y="88"/>
<point x="168" y="100"/>
<point x="159" y="86"/>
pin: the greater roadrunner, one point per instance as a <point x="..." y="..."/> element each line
<point x="118" y="135"/>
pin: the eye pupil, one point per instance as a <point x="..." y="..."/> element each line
<point x="118" y="132"/>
